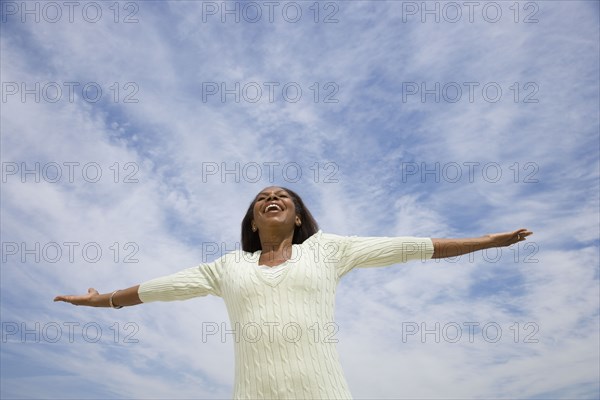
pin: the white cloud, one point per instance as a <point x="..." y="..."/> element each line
<point x="172" y="135"/>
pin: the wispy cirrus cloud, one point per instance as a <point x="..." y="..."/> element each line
<point x="385" y="146"/>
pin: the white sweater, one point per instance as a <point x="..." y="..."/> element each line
<point x="283" y="329"/>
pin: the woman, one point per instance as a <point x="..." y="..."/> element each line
<point x="279" y="291"/>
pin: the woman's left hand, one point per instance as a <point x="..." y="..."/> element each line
<point x="508" y="238"/>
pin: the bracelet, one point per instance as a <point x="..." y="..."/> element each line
<point x="110" y="301"/>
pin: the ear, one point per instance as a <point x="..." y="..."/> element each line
<point x="298" y="221"/>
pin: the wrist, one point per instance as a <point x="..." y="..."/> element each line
<point x="111" y="300"/>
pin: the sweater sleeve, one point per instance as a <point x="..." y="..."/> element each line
<point x="349" y="252"/>
<point x="201" y="280"/>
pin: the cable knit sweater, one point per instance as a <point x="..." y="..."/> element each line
<point x="282" y="324"/>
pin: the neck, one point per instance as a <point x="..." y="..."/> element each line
<point x="277" y="243"/>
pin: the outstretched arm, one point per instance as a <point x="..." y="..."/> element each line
<point x="125" y="297"/>
<point x="455" y="247"/>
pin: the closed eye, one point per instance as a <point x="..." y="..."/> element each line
<point x="280" y="194"/>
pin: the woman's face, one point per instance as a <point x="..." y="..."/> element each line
<point x="274" y="207"/>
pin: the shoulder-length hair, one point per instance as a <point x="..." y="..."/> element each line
<point x="308" y="227"/>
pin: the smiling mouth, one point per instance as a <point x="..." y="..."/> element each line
<point x="272" y="208"/>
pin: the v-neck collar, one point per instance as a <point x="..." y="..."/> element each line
<point x="262" y="275"/>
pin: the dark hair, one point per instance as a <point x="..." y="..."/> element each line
<point x="251" y="240"/>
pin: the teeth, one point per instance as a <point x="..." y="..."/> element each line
<point x="271" y="206"/>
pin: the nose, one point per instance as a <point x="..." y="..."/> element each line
<point x="272" y="196"/>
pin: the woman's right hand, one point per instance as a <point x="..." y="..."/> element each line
<point x="91" y="299"/>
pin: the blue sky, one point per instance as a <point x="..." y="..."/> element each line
<point x="389" y="118"/>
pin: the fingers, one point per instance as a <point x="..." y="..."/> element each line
<point x="66" y="299"/>
<point x="69" y="299"/>
<point x="74" y="299"/>
<point x="522" y="234"/>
